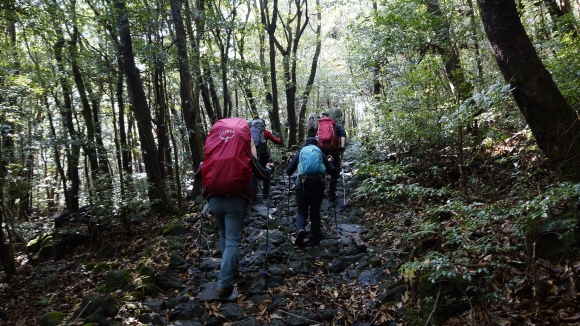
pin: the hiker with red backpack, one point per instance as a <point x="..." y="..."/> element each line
<point x="332" y="141"/>
<point x="226" y="172"/>
<point x="261" y="135"/>
<point x="312" y="166"/>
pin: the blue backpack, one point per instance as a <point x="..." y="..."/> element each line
<point x="311" y="169"/>
<point x="310" y="161"/>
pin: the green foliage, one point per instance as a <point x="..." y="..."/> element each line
<point x="382" y="185"/>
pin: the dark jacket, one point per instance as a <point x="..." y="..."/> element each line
<point x="294" y="164"/>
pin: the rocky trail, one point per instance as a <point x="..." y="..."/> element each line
<point x="342" y="282"/>
<point x="170" y="279"/>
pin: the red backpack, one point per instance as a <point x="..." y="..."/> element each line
<point x="226" y="169"/>
<point x="327" y="135"/>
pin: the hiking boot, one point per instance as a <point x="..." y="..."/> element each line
<point x="224" y="293"/>
<point x="299" y="242"/>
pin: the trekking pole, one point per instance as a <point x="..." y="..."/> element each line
<point x="267" y="232"/>
<point x="288" y="210"/>
<point x="204" y="209"/>
<point x="334" y="211"/>
<point x="267" y="228"/>
<point x="343" y="186"/>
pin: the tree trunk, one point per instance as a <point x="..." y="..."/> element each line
<point x="73" y="149"/>
<point x="156" y="190"/>
<point x="264" y="73"/>
<point x="55" y="149"/>
<point x="119" y="150"/>
<point x="89" y="143"/>
<point x="125" y="153"/>
<point x="553" y="122"/>
<point x="101" y="150"/>
<point x="377" y="85"/>
<point x="204" y="90"/>
<point x="306" y="95"/>
<point x="159" y="121"/>
<point x="190" y="106"/>
<point x="270" y="26"/>
<point x="289" y="59"/>
<point x="290" y="101"/>
<point x="6" y="253"/>
<point x="195" y="40"/>
<point x="177" y="167"/>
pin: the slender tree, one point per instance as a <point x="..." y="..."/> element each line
<point x="269" y="21"/>
<point x="88" y="142"/>
<point x="309" y="84"/>
<point x="156" y="190"/>
<point x="294" y="27"/>
<point x="66" y="110"/>
<point x="186" y="86"/>
<point x="6" y="253"/>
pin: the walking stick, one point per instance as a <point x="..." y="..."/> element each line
<point x="288" y="195"/>
<point x="204" y="209"/>
<point x="267" y="226"/>
<point x="343" y="185"/>
<point x="334" y="211"/>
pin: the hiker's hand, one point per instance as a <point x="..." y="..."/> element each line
<point x="329" y="157"/>
<point x="290" y="158"/>
<point x="270" y="166"/>
<point x="341" y="150"/>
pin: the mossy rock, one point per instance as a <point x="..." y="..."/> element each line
<point x="52" y="318"/>
<point x="117" y="279"/>
<point x="97" y="306"/>
<point x="452" y="300"/>
<point x="557" y="238"/>
<point x="105" y="251"/>
<point x="135" y="296"/>
<point x="147" y="276"/>
<point x="47" y="241"/>
<point x="210" y="227"/>
<point x="375" y="262"/>
<point x="410" y="316"/>
<point x="143" y="269"/>
<point x="175" y="229"/>
<point x="46" y="248"/>
<point x="87" y="260"/>
<point x="35" y="244"/>
<point x="100" y="267"/>
<point x="172" y="243"/>
<point x="102" y="288"/>
<point x="67" y="239"/>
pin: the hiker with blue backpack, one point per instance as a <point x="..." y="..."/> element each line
<point x="229" y="163"/>
<point x="312" y="166"/>
<point x="261" y="135"/>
